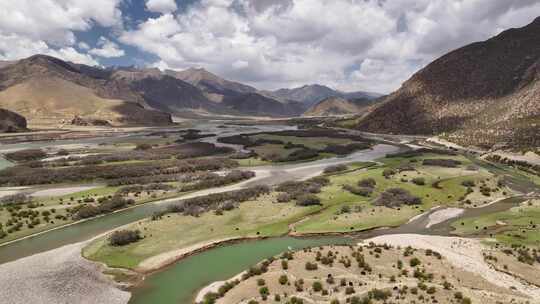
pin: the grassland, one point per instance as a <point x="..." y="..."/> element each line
<point x="61" y="206"/>
<point x="276" y="148"/>
<point x="259" y="218"/>
<point x="517" y="226"/>
<point x="265" y="217"/>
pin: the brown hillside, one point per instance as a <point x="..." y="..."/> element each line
<point x="49" y="91"/>
<point x="484" y="93"/>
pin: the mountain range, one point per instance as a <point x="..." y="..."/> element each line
<point x="339" y="106"/>
<point x="482" y="94"/>
<point x="50" y="92"/>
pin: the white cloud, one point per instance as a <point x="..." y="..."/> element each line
<point x="161" y="6"/>
<point x="14" y="47"/>
<point x="28" y="27"/>
<point x="350" y="44"/>
<point x="107" y="49"/>
<point x="55" y="20"/>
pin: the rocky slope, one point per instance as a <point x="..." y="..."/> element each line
<point x="481" y="94"/>
<point x="11" y="122"/>
<point x="236" y="98"/>
<point x="337" y="106"/>
<point x="211" y="83"/>
<point x="49" y="91"/>
<point x="52" y="92"/>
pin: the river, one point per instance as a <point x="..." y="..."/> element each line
<point x="179" y="282"/>
<point x="268" y="175"/>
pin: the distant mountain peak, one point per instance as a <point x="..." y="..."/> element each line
<point x="311" y="94"/>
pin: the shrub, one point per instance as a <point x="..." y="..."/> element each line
<point x="395" y="197"/>
<point x="387" y="173"/>
<point x="124" y="237"/>
<point x="26" y="155"/>
<point x="311" y="266"/>
<point x="415" y="262"/>
<point x="441" y="162"/>
<point x="283" y="280"/>
<point x="362" y="191"/>
<point x="284" y="198"/>
<point x="302" y="154"/>
<point x="367" y="182"/>
<point x="335" y="168"/>
<point x="143" y="147"/>
<point x="308" y="200"/>
<point x="317" y="286"/>
<point x="420" y="181"/>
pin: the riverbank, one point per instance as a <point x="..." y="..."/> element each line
<point x="58" y="276"/>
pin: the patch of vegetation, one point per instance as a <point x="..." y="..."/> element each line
<point x="442" y="162"/>
<point x="124" y="237"/>
<point x="395" y="197"/>
<point x="26" y="155"/>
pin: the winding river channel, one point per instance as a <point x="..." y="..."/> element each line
<point x="179" y="282"/>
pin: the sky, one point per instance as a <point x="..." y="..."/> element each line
<point x="351" y="45"/>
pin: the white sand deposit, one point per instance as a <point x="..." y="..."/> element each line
<point x="58" y="276"/>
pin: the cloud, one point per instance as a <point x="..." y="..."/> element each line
<point x="291" y="42"/>
<point x="13" y="47"/>
<point x="348" y="44"/>
<point x="161" y="6"/>
<point x="107" y="49"/>
<point x="47" y="26"/>
<point x="54" y="21"/>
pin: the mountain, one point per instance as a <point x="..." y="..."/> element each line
<point x="211" y="83"/>
<point x="259" y="105"/>
<point x="236" y="98"/>
<point x="481" y="94"/>
<point x="164" y="92"/>
<point x="338" y="106"/>
<point x="49" y="91"/>
<point x="11" y="122"/>
<point x="311" y="94"/>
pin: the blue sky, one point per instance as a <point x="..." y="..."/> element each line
<point x="371" y="45"/>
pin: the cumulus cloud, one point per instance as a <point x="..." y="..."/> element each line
<point x="13" y="47"/>
<point x="161" y="6"/>
<point x="349" y="44"/>
<point x="107" y="49"/>
<point x="47" y="26"/>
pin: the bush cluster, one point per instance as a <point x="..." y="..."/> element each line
<point x="395" y="197"/>
<point x="441" y="162"/>
<point x="223" y="201"/>
<point x="116" y="175"/>
<point x="124" y="237"/>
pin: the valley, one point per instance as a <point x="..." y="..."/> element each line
<point x="277" y="151"/>
<point x="341" y="193"/>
